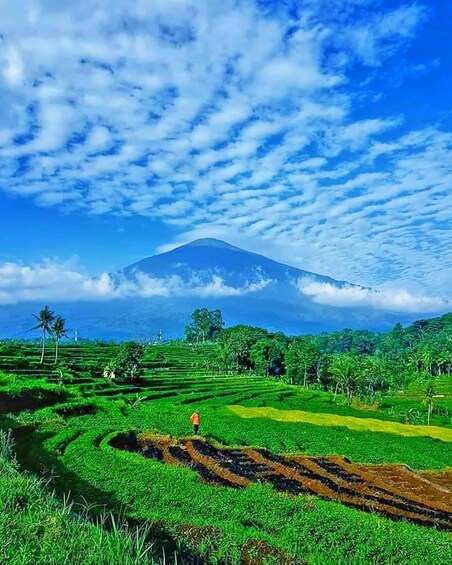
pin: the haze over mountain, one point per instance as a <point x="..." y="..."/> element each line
<point x="161" y="291"/>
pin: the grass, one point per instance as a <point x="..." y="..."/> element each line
<point x="358" y="424"/>
<point x="297" y="526"/>
<point x="391" y="408"/>
<point x="37" y="529"/>
<point x="68" y="431"/>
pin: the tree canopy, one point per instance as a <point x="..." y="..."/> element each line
<point x="357" y="363"/>
<point x="205" y="325"/>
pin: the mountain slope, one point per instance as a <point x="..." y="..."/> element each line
<point x="207" y="257"/>
<point x="161" y="292"/>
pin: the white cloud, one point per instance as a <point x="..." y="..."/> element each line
<point x="224" y="119"/>
<point x="358" y="132"/>
<point x="49" y="280"/>
<point x="98" y="140"/>
<point x="53" y="281"/>
<point x="382" y="34"/>
<point x="13" y="66"/>
<point x="354" y="296"/>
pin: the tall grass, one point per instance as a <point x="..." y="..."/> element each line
<point x="38" y="529"/>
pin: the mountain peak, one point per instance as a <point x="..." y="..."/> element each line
<point x="212" y="242"/>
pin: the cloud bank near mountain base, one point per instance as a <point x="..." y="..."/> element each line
<point x="397" y="300"/>
<point x="56" y="281"/>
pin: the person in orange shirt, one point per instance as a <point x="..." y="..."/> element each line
<point x="195" y="420"/>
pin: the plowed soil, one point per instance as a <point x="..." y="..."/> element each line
<point x="394" y="491"/>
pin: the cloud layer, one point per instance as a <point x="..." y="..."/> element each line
<point x="396" y="300"/>
<point x="54" y="281"/>
<point x="232" y="117"/>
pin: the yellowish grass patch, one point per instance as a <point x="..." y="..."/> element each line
<point x="365" y="407"/>
<point x="351" y="422"/>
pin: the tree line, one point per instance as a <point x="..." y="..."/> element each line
<point x="353" y="362"/>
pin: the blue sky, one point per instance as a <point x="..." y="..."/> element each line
<point x="317" y="132"/>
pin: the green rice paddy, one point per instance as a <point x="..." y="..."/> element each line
<point x="64" y="422"/>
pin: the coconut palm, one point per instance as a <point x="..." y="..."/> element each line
<point x="58" y="331"/>
<point x="429" y="395"/>
<point x="45" y="319"/>
<point x="345" y="370"/>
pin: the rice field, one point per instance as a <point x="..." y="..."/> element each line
<point x="277" y="475"/>
<point x="393" y="491"/>
<point x="353" y="423"/>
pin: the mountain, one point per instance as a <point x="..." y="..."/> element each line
<point x="161" y="291"/>
<point x="205" y="258"/>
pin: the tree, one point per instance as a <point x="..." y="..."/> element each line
<point x="394" y="346"/>
<point x="58" y="331"/>
<point x="322" y="375"/>
<point x="429" y="395"/>
<point x="444" y="360"/>
<point x="267" y="356"/>
<point x="205" y="325"/>
<point x="301" y="359"/>
<point x="45" y="319"/>
<point x="125" y="365"/>
<point x="236" y="344"/>
<point x="345" y="370"/>
<point x="374" y="372"/>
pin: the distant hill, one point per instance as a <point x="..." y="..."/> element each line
<point x="247" y="287"/>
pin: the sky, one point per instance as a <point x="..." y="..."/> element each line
<point x="317" y="132"/>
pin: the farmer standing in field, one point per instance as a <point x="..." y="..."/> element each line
<point x="195" y="420"/>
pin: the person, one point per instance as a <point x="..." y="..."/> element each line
<point x="195" y="420"/>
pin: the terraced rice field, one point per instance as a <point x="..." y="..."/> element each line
<point x="353" y="423"/>
<point x="393" y="491"/>
<point x="253" y="491"/>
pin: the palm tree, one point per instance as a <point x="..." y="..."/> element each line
<point x="58" y="331"/>
<point x="45" y="319"/>
<point x="429" y="395"/>
<point x="346" y="372"/>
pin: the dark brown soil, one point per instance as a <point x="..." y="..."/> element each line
<point x="394" y="491"/>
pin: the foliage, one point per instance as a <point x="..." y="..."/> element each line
<point x="429" y="395"/>
<point x="125" y="366"/>
<point x="350" y="422"/>
<point x="356" y="362"/>
<point x="37" y="529"/>
<point x="344" y="369"/>
<point x="59" y="331"/>
<point x="236" y="344"/>
<point x="6" y="446"/>
<point x="205" y="325"/>
<point x="267" y="355"/>
<point x="302" y="358"/>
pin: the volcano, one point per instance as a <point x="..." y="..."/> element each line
<point x="160" y="292"/>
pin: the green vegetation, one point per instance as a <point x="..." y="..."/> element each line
<point x="45" y="319"/>
<point x="369" y="424"/>
<point x="352" y="395"/>
<point x="59" y="331"/>
<point x="37" y="528"/>
<point x="205" y="325"/>
<point x="124" y="367"/>
<point x="356" y="363"/>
